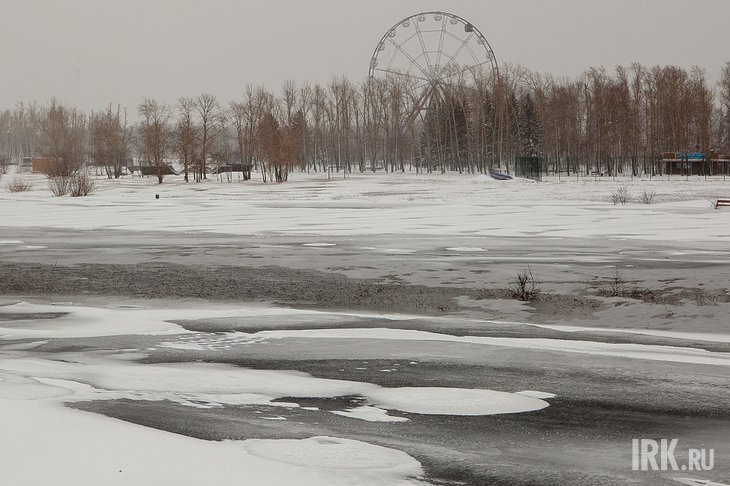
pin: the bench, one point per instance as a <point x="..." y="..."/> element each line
<point x="722" y="202"/>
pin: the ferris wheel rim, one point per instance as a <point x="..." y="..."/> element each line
<point x="490" y="55"/>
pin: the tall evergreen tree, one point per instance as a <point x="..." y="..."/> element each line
<point x="530" y="128"/>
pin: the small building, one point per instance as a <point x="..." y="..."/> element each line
<point x="695" y="163"/>
<point x="44" y="165"/>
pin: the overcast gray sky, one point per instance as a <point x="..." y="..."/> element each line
<point x="93" y="52"/>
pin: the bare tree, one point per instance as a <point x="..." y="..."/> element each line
<point x="20" y="130"/>
<point x="211" y="125"/>
<point x="185" y="135"/>
<point x="154" y="135"/>
<point x="319" y="110"/>
<point x="4" y="162"/>
<point x="702" y="106"/>
<point x="5" y="150"/>
<point x="724" y="94"/>
<point x="268" y="135"/>
<point x="63" y="131"/>
<point x="110" y="140"/>
<point x="239" y="117"/>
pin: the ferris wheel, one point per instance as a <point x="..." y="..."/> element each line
<point x="430" y="50"/>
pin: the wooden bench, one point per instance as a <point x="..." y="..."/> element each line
<point x="722" y="202"/>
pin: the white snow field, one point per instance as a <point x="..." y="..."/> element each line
<point x="44" y="443"/>
<point x="400" y="204"/>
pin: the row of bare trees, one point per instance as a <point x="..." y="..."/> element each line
<point x="617" y="122"/>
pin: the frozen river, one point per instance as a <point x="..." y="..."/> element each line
<point x="441" y="405"/>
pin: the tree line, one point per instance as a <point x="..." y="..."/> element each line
<point x="607" y="122"/>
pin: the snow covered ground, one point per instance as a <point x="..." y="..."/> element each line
<point x="47" y="444"/>
<point x="402" y="204"/>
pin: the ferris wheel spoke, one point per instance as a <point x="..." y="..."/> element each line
<point x="392" y="58"/>
<point x="471" y="51"/>
<point x="400" y="73"/>
<point x="461" y="47"/>
<point x="441" y="42"/>
<point x="413" y="61"/>
<point x="423" y="44"/>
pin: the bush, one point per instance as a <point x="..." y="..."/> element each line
<point x="617" y="285"/>
<point x="525" y="286"/>
<point x="647" y="197"/>
<point x="80" y="184"/>
<point x="620" y="196"/>
<point x="75" y="185"/>
<point x="58" y="184"/>
<point x="19" y="185"/>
